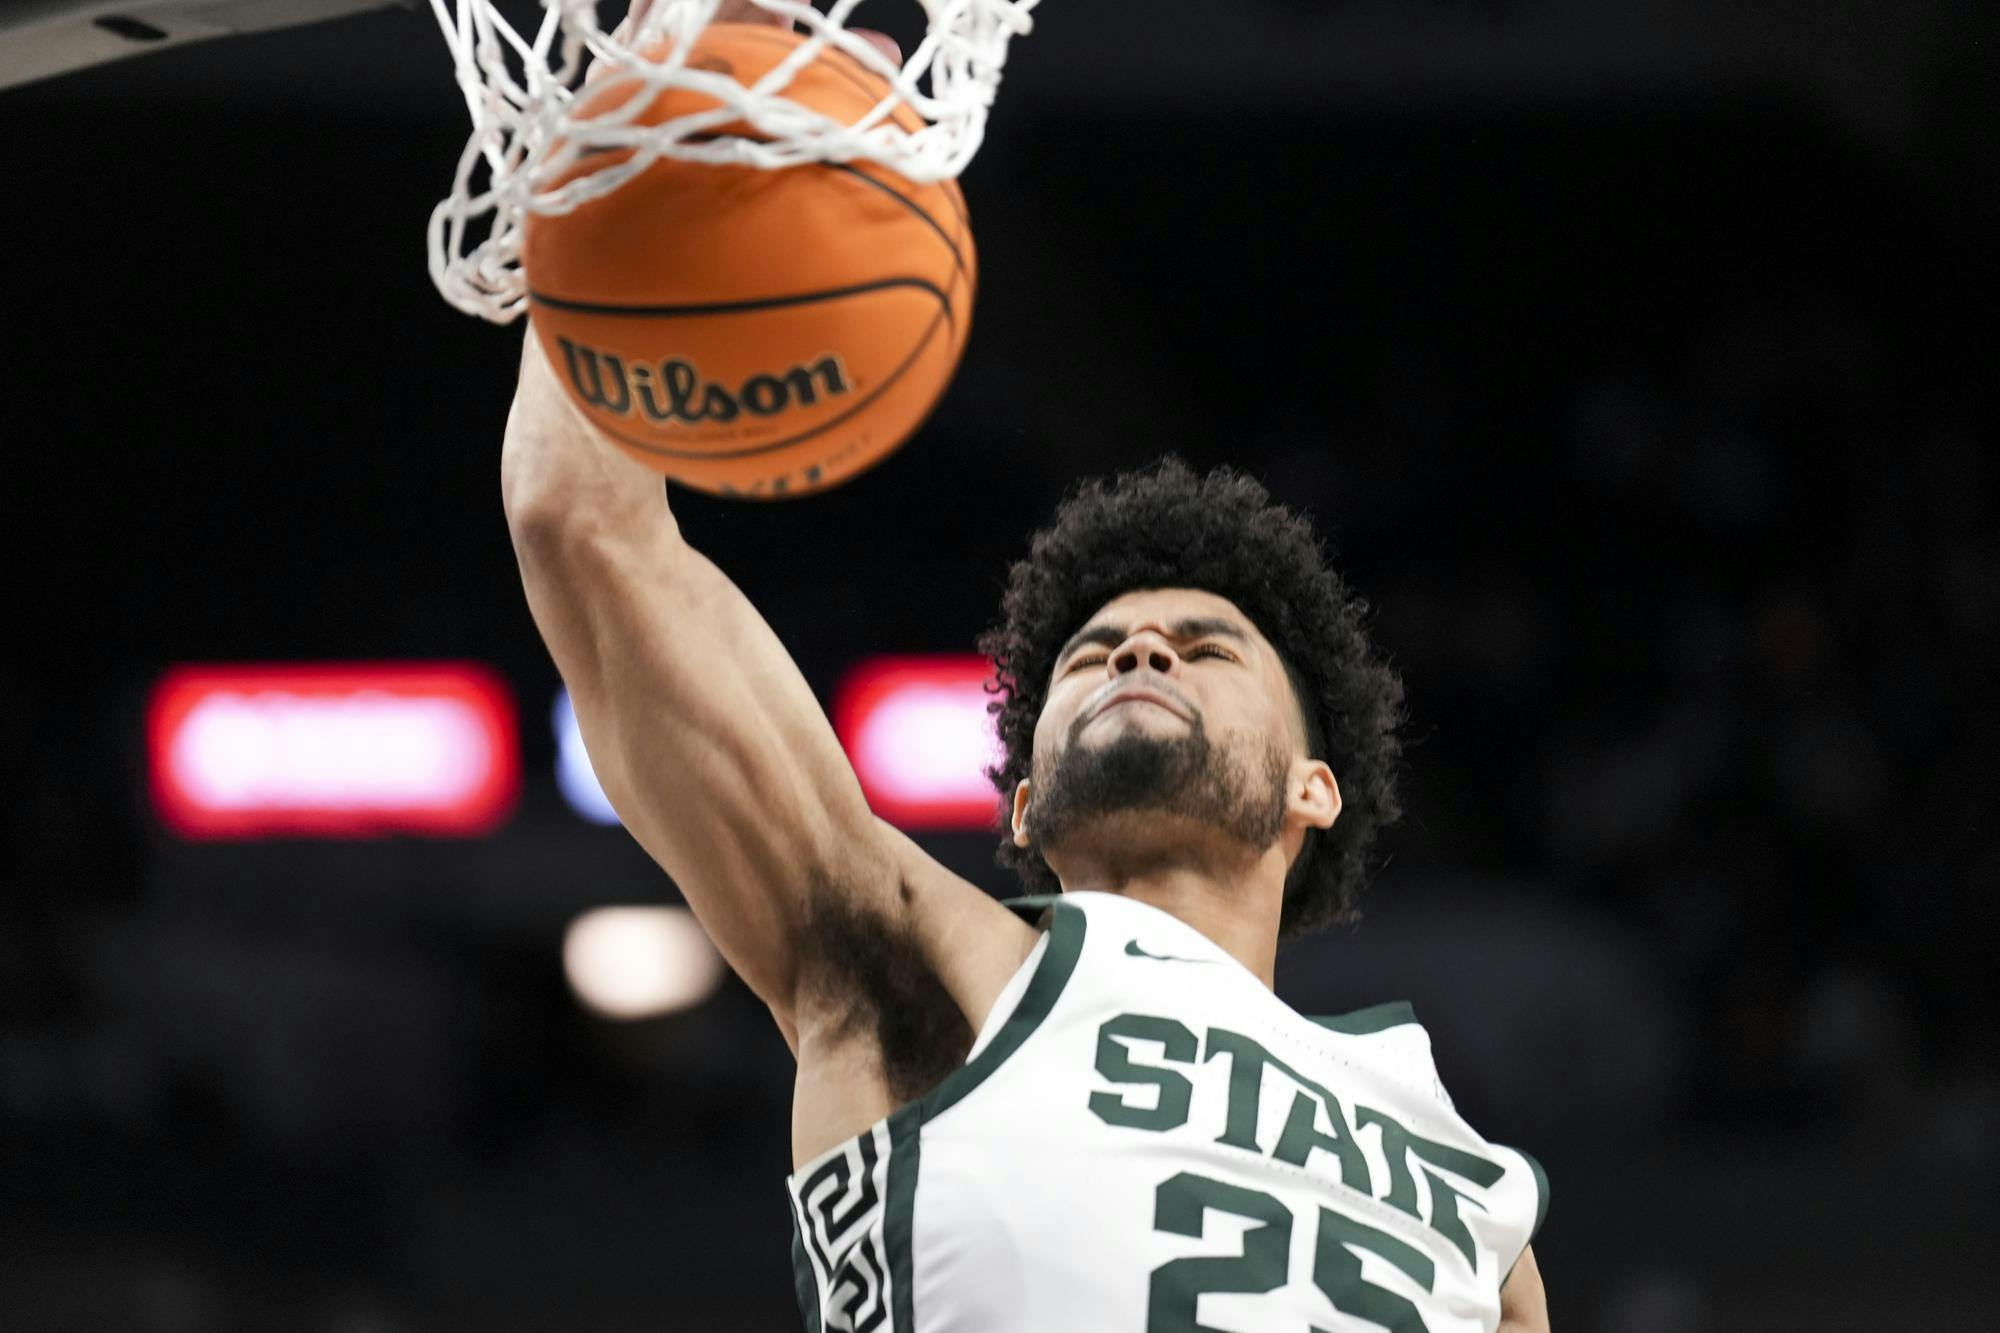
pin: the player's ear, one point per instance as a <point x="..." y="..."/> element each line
<point x="1313" y="797"/>
<point x="1021" y="813"/>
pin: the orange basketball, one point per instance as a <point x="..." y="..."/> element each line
<point x="749" y="332"/>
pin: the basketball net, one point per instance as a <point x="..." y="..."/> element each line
<point x="522" y="95"/>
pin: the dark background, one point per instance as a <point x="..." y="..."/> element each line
<point x="1639" y="365"/>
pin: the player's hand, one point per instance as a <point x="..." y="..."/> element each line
<point x="748" y="11"/>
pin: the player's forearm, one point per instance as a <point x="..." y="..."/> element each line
<point x="583" y="529"/>
<point x="566" y="560"/>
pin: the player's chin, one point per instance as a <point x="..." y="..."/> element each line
<point x="1136" y="718"/>
<point x="1107" y="729"/>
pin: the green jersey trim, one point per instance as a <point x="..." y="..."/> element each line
<point x="804" y="1284"/>
<point x="1375" y="1018"/>
<point x="1030" y="909"/>
<point x="1051" y="976"/>
<point x="1541" y="1193"/>
<point x="906" y="1149"/>
<point x="1541" y="1207"/>
<point x="906" y="1145"/>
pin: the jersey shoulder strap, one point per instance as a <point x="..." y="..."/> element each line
<point x="1366" y="1022"/>
<point x="1032" y="908"/>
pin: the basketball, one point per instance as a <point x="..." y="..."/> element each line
<point x="750" y="332"/>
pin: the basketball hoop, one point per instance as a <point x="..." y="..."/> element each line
<point x="525" y="138"/>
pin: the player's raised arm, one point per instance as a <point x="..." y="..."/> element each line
<point x="708" y="741"/>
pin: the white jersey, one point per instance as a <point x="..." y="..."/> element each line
<point x="1145" y="1138"/>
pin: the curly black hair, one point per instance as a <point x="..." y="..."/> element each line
<point x="1165" y="527"/>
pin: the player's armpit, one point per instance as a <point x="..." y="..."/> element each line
<point x="1524" y="1305"/>
<point x="889" y="1004"/>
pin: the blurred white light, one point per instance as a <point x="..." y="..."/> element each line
<point x="575" y="777"/>
<point x="640" y="962"/>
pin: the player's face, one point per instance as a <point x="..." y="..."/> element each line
<point x="1167" y="708"/>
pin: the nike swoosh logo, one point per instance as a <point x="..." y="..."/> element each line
<point x="1135" y="951"/>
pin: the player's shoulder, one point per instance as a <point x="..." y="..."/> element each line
<point x="972" y="941"/>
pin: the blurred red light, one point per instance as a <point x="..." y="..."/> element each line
<point x="918" y="734"/>
<point x="348" y="750"/>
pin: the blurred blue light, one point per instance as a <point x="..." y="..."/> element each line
<point x="575" y="778"/>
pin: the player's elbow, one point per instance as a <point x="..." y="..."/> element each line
<point x="548" y="524"/>
<point x="587" y="549"/>
<point x="534" y="491"/>
<point x="581" y="491"/>
<point x="531" y="513"/>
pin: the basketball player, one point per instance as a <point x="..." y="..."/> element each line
<point x="1083" y="1111"/>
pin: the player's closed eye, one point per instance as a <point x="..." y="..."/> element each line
<point x="1091" y="659"/>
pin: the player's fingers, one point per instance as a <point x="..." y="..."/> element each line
<point x="746" y="11"/>
<point x="882" y="42"/>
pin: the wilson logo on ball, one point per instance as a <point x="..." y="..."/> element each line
<point x="673" y="391"/>
<point x="692" y="311"/>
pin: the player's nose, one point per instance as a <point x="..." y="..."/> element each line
<point x="1144" y="649"/>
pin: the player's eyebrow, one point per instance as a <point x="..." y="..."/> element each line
<point x="1107" y="635"/>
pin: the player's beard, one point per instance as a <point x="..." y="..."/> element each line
<point x="1184" y="776"/>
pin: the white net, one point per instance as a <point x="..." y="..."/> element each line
<point x="522" y="93"/>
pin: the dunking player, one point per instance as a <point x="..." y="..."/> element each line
<point x="1084" y="1111"/>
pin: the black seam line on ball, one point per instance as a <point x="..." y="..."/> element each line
<point x="852" y="70"/>
<point x="732" y="307"/>
<point x="959" y="257"/>
<point x="943" y="316"/>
